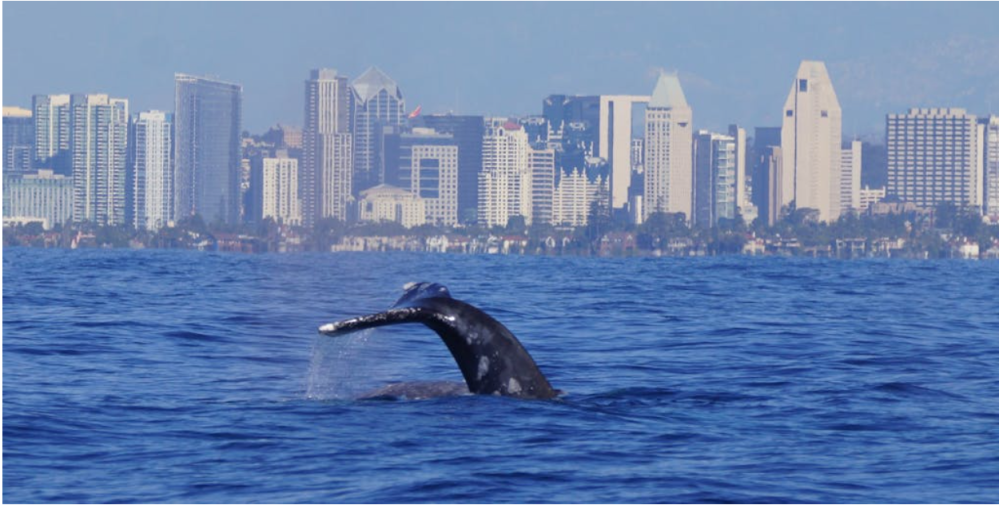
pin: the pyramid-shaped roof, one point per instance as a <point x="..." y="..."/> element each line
<point x="668" y="93"/>
<point x="371" y="82"/>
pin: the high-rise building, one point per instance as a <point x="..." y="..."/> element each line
<point x="743" y="175"/>
<point x="768" y="184"/>
<point x="377" y="102"/>
<point x="427" y="163"/>
<point x="38" y="196"/>
<point x="207" y="156"/>
<point x="934" y="157"/>
<point x="577" y="194"/>
<point x="990" y="139"/>
<point x="152" y="171"/>
<point x="18" y="140"/>
<point x="614" y="141"/>
<point x="668" y="144"/>
<point x="52" y="133"/>
<point x="810" y="142"/>
<point x="327" y="148"/>
<point x="849" y="178"/>
<point x="764" y="138"/>
<point x="278" y="178"/>
<point x="715" y="178"/>
<point x="99" y="154"/>
<point x="541" y="159"/>
<point x="505" y="181"/>
<point x="468" y="132"/>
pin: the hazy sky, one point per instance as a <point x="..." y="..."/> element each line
<point x="736" y="61"/>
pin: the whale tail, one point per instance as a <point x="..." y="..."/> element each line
<point x="490" y="358"/>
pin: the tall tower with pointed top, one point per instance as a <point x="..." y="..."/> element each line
<point x="810" y="142"/>
<point x="668" y="142"/>
<point x="378" y="103"/>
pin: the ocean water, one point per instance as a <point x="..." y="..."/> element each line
<point x="174" y="376"/>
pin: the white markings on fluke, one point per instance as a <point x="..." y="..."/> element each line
<point x="483" y="367"/>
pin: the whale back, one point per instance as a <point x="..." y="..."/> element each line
<point x="491" y="359"/>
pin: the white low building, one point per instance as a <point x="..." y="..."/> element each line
<point x="389" y="203"/>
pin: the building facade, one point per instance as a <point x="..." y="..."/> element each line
<point x="99" y="158"/>
<point x="810" y="142"/>
<point x="468" y="133"/>
<point x="389" y="203"/>
<point x="52" y="133"/>
<point x="615" y="142"/>
<point x="505" y="181"/>
<point x="207" y="148"/>
<point x="541" y="160"/>
<point x="870" y="196"/>
<point x="934" y="157"/>
<point x="39" y="196"/>
<point x="849" y="176"/>
<point x="377" y="102"/>
<point x="152" y="170"/>
<point x="990" y="138"/>
<point x="325" y="180"/>
<point x="768" y="184"/>
<point x="668" y="150"/>
<point x="18" y="140"/>
<point x="279" y="190"/>
<point x="715" y="178"/>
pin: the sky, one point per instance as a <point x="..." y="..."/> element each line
<point x="736" y="61"/>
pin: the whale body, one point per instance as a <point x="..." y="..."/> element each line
<point x="490" y="357"/>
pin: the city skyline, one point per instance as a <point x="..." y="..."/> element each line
<point x="878" y="68"/>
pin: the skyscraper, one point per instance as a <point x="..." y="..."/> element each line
<point x="378" y="102"/>
<point x="668" y="144"/>
<point x="768" y="184"/>
<point x="152" y="173"/>
<point x="743" y="178"/>
<point x="207" y="157"/>
<point x="52" y="133"/>
<point x="427" y="163"/>
<point x="505" y="181"/>
<point x="849" y="180"/>
<point x="990" y="155"/>
<point x="18" y="140"/>
<point x="810" y="142"/>
<point x="327" y="159"/>
<point x="715" y="162"/>
<point x="38" y="196"/>
<point x="934" y="157"/>
<point x="541" y="159"/>
<point x="615" y="140"/>
<point x="468" y="132"/>
<point x="99" y="152"/>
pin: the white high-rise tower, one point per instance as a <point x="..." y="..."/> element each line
<point x="669" y="171"/>
<point x="810" y="142"/>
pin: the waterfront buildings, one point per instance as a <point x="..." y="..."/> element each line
<point x="207" y="126"/>
<point x="668" y="146"/>
<point x="541" y="162"/>
<point x="615" y="142"/>
<point x="377" y="103"/>
<point x="327" y="148"/>
<point x="42" y="196"/>
<point x="389" y="203"/>
<point x="768" y="183"/>
<point x="505" y="181"/>
<point x="427" y="164"/>
<point x="990" y="155"/>
<point x="715" y="178"/>
<point x="934" y="157"/>
<point x="279" y="189"/>
<point x="575" y="196"/>
<point x="468" y="132"/>
<point x="849" y="178"/>
<point x="52" y="133"/>
<point x="152" y="170"/>
<point x="18" y="140"/>
<point x="810" y="142"/>
<point x="99" y="154"/>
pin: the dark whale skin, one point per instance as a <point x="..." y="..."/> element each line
<point x="491" y="359"/>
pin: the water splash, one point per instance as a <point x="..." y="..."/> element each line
<point x="334" y="369"/>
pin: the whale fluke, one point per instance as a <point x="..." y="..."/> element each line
<point x="491" y="359"/>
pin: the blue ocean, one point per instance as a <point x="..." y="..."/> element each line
<point x="176" y="376"/>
